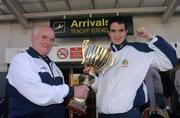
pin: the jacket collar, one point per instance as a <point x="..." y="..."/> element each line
<point x="117" y="47"/>
<point x="33" y="53"/>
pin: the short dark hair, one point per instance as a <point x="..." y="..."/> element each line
<point x="119" y="20"/>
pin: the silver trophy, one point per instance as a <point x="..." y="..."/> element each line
<point x="100" y="60"/>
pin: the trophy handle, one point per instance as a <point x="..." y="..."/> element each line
<point x="84" y="46"/>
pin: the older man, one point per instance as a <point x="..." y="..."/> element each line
<point x="35" y="84"/>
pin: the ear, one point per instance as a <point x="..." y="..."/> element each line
<point x="32" y="37"/>
<point x="126" y="31"/>
<point x="108" y="32"/>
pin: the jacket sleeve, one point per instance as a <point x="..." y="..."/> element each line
<point x="164" y="56"/>
<point x="23" y="75"/>
<point x="94" y="85"/>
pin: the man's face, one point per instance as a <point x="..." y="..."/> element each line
<point x="43" y="40"/>
<point x="117" y="33"/>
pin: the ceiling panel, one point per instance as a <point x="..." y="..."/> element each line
<point x="104" y="4"/>
<point x="56" y="5"/>
<point x="32" y="7"/>
<point x="127" y="3"/>
<point x="79" y="4"/>
<point x="153" y="3"/>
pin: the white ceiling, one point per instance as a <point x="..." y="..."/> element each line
<point x="31" y="9"/>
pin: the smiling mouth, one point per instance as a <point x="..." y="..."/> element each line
<point x="47" y="48"/>
<point x="117" y="39"/>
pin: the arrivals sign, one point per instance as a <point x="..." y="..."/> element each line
<point x="85" y="27"/>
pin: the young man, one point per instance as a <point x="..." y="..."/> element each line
<point x="121" y="90"/>
<point x="35" y="84"/>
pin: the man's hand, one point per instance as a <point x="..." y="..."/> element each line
<point x="81" y="91"/>
<point x="144" y="33"/>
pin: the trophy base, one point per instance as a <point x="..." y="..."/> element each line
<point x="77" y="107"/>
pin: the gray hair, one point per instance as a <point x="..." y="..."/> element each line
<point x="36" y="29"/>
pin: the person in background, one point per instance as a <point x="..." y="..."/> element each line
<point x="176" y="95"/>
<point x="177" y="84"/>
<point x="154" y="89"/>
<point x="156" y="104"/>
<point x="168" y="88"/>
<point x="36" y="86"/>
<point x="121" y="89"/>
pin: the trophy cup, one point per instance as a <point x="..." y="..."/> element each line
<point x="100" y="60"/>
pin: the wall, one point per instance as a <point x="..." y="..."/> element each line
<point x="4" y="43"/>
<point x="12" y="34"/>
<point x="170" y="30"/>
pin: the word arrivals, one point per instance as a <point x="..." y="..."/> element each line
<point x="89" y="23"/>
